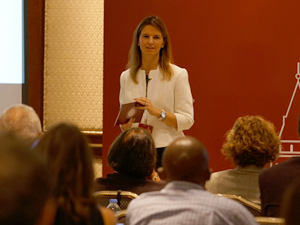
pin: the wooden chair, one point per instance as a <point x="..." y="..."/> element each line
<point x="270" y="220"/>
<point x="255" y="209"/>
<point x="123" y="197"/>
<point x="121" y="216"/>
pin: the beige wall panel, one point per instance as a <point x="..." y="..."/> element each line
<point x="73" y="69"/>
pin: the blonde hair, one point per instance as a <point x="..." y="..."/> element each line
<point x="251" y="141"/>
<point x="135" y="56"/>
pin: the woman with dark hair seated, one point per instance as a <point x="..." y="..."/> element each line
<point x="66" y="151"/>
<point x="251" y="144"/>
<point x="132" y="155"/>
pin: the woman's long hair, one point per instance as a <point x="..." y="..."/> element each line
<point x="68" y="155"/>
<point x="165" y="58"/>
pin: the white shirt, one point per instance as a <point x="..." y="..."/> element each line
<point x="172" y="96"/>
<point x="186" y="203"/>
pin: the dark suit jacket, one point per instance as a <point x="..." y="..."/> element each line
<point x="274" y="181"/>
<point x="118" y="181"/>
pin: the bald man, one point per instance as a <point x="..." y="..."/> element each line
<point x="184" y="200"/>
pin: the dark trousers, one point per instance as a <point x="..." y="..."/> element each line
<point x="160" y="152"/>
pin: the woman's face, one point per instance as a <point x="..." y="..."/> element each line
<point x="150" y="41"/>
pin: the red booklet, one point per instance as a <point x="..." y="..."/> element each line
<point x="128" y="111"/>
<point x="146" y="127"/>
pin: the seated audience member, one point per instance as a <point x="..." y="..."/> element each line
<point x="132" y="155"/>
<point x="274" y="181"/>
<point x="251" y="144"/>
<point x="23" y="120"/>
<point x="25" y="186"/>
<point x="291" y="204"/>
<point x="67" y="153"/>
<point x="184" y="200"/>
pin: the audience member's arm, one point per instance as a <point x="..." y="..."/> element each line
<point x="108" y="216"/>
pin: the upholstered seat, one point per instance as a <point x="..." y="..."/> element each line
<point x="255" y="209"/>
<point x="123" y="197"/>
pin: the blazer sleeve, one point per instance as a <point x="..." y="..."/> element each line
<point x="184" y="109"/>
<point x="122" y="94"/>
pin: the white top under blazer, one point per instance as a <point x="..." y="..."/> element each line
<point x="172" y="96"/>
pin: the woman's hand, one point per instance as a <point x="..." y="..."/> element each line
<point x="147" y="105"/>
<point x="152" y="110"/>
<point x="127" y="125"/>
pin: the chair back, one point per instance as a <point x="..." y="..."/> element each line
<point x="121" y="216"/>
<point x="270" y="220"/>
<point x="123" y="197"/>
<point x="255" y="209"/>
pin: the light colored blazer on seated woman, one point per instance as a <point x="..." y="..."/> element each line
<point x="172" y="96"/>
<point x="239" y="181"/>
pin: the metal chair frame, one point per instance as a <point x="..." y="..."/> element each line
<point x="270" y="220"/>
<point x="255" y="209"/>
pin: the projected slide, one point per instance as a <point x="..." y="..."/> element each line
<point x="11" y="42"/>
<point x="11" y="52"/>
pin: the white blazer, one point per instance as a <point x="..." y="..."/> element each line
<point x="172" y="96"/>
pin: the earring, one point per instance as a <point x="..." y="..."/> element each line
<point x="162" y="47"/>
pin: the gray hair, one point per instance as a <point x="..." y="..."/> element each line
<point x="21" y="119"/>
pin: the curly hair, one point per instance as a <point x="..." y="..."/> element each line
<point x="251" y="141"/>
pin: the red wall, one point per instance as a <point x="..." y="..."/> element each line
<point x="241" y="56"/>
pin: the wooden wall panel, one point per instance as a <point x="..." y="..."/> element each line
<point x="36" y="54"/>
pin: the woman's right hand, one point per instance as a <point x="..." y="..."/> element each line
<point x="128" y="125"/>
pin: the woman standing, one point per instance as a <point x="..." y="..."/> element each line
<point x="160" y="86"/>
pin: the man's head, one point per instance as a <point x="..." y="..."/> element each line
<point x="22" y="120"/>
<point x="25" y="185"/>
<point x="186" y="159"/>
<point x="133" y="152"/>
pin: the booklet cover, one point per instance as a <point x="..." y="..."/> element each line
<point x="129" y="110"/>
